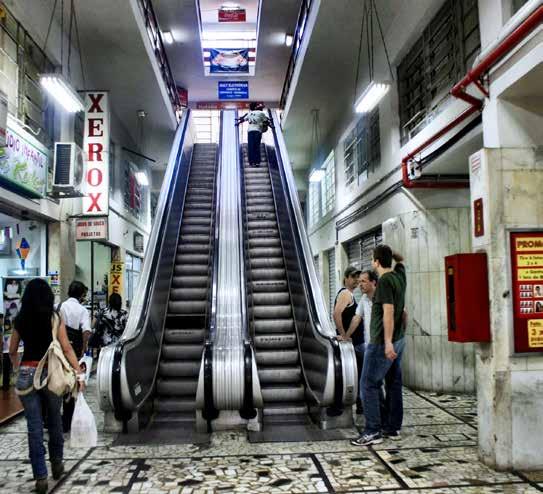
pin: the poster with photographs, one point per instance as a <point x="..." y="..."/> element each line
<point x="538" y="291"/>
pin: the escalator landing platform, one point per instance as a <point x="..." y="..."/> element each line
<point x="159" y="433"/>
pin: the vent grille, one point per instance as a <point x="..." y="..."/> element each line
<point x="62" y="166"/>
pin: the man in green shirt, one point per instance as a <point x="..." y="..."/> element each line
<point x="384" y="353"/>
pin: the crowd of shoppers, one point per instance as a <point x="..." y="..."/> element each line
<point x="377" y="328"/>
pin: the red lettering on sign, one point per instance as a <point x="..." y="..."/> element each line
<point x="95" y="107"/>
<point x="94" y="177"/>
<point x="116" y="279"/>
<point x="95" y="127"/>
<point x="95" y="150"/>
<point x="94" y="202"/>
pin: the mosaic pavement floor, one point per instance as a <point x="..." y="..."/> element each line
<point x="436" y="455"/>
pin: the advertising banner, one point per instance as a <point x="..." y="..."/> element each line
<point x="96" y="147"/>
<point x="91" y="228"/>
<point x="233" y="90"/>
<point x="24" y="161"/>
<point x="116" y="273"/>
<point x="232" y="15"/>
<point x="226" y="61"/>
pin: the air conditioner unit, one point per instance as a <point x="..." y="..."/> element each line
<point x="69" y="168"/>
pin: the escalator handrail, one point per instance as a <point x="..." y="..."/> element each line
<point x="316" y="308"/>
<point x="139" y="313"/>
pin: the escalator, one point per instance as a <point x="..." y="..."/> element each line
<point x="307" y="378"/>
<point x="188" y="306"/>
<point x="271" y="315"/>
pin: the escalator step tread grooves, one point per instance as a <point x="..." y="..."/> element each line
<point x="270" y="307"/>
<point x="183" y="341"/>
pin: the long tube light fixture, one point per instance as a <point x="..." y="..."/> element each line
<point x="62" y="91"/>
<point x="142" y="179"/>
<point x="228" y="35"/>
<point x="371" y="97"/>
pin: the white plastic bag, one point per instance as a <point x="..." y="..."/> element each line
<point x="84" y="434"/>
<point x="87" y="360"/>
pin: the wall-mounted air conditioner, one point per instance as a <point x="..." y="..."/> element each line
<point x="69" y="168"/>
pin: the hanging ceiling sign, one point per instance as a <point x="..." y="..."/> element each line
<point x="183" y="96"/>
<point x="96" y="144"/>
<point x="24" y="161"/>
<point x="229" y="61"/>
<point x="91" y="228"/>
<point x="232" y="15"/>
<point x="222" y="105"/>
<point x="233" y="90"/>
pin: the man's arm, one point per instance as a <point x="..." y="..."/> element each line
<point x="355" y="322"/>
<point x="388" y="324"/>
<point x="86" y="329"/>
<point x="342" y="302"/>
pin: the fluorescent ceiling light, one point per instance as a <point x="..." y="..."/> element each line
<point x="142" y="179"/>
<point x="371" y="97"/>
<point x="215" y="35"/>
<point x="288" y="39"/>
<point x="230" y="6"/>
<point x="232" y="43"/>
<point x="62" y="91"/>
<point x="167" y="37"/>
<point x="316" y="176"/>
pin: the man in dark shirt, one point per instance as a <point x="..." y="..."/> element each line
<point x="384" y="352"/>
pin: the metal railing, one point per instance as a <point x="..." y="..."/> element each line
<point x="155" y="37"/>
<point x="303" y="15"/>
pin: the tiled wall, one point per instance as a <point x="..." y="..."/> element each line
<point x="425" y="237"/>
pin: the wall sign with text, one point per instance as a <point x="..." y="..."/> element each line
<point x="96" y="147"/>
<point x="527" y="277"/>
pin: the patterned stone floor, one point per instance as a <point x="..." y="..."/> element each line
<point x="436" y="455"/>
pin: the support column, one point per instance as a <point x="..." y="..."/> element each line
<point x="61" y="253"/>
<point x="509" y="387"/>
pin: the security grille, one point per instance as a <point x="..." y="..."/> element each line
<point x="328" y="185"/>
<point x="314" y="203"/>
<point x="332" y="287"/>
<point x="360" y="249"/>
<point x="362" y="149"/>
<point x="437" y="60"/>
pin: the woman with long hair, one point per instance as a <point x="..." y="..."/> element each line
<point x="34" y="326"/>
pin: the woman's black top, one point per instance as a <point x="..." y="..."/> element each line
<point x="36" y="341"/>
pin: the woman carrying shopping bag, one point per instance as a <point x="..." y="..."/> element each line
<point x="37" y="324"/>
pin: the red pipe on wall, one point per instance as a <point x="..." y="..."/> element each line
<point x="459" y="91"/>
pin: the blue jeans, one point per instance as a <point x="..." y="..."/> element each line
<point x="376" y="369"/>
<point x="32" y="404"/>
<point x="253" y="146"/>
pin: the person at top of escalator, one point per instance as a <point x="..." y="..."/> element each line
<point x="258" y="123"/>
<point x="344" y="311"/>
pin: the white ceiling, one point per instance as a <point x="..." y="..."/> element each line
<point x="277" y="18"/>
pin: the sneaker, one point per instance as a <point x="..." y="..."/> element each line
<point x="392" y="435"/>
<point x="57" y="468"/>
<point x="42" y="486"/>
<point x="367" y="439"/>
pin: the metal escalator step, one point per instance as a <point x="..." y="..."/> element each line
<point x="200" y="213"/>
<point x="190" y="281"/>
<point x="191" y="269"/>
<point x="199" y="195"/>
<point x="182" y="336"/>
<point x="261" y="224"/>
<point x="188" y="294"/>
<point x="264" y="242"/>
<point x="189" y="248"/>
<point x="192" y="258"/>
<point x="272" y="311"/>
<point x="198" y="203"/>
<point x="197" y="220"/>
<point x="270" y="298"/>
<point x="186" y="368"/>
<point x="175" y="404"/>
<point x="268" y="274"/>
<point x="195" y="239"/>
<point x="257" y="182"/>
<point x="187" y="307"/>
<point x="267" y="326"/>
<point x="266" y="252"/>
<point x="277" y="357"/>
<point x="275" y="341"/>
<point x="181" y="352"/>
<point x="282" y="393"/>
<point x="253" y="201"/>
<point x="261" y="216"/>
<point x="181" y="419"/>
<point x="295" y="408"/>
<point x="261" y="208"/>
<point x="259" y="194"/>
<point x="177" y="387"/>
<point x="267" y="262"/>
<point x="263" y="233"/>
<point x="282" y="375"/>
<point x="194" y="229"/>
<point x="268" y="286"/>
<point x="257" y="188"/>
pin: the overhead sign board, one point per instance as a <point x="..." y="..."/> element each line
<point x="228" y="61"/>
<point x="233" y="90"/>
<point x="91" y="228"/>
<point x="96" y="144"/>
<point x="232" y="15"/>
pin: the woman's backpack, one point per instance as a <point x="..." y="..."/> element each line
<point x="61" y="378"/>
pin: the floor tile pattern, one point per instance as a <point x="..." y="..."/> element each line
<point x="437" y="454"/>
